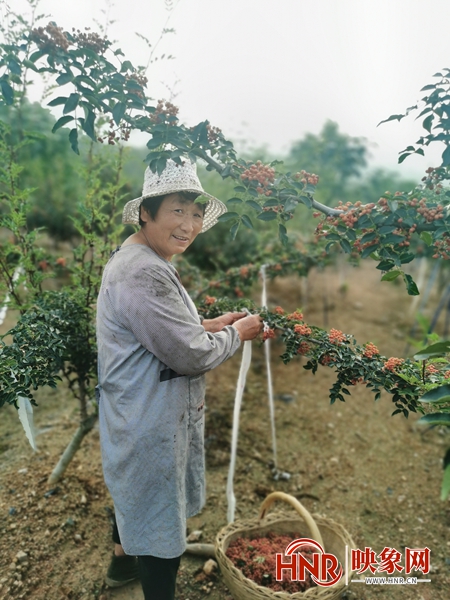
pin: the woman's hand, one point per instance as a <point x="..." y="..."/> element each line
<point x="249" y="327"/>
<point x="217" y="324"/>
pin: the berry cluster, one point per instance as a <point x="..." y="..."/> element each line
<point x="370" y="350"/>
<point x="164" y="109"/>
<point x="90" y="40"/>
<point x="50" y="38"/>
<point x="115" y="134"/>
<point x="268" y="334"/>
<point x="306" y="177"/>
<point x="302" y="329"/>
<point x="393" y="363"/>
<point x="336" y="336"/>
<point x="213" y="133"/>
<point x="140" y="80"/>
<point x="262" y="174"/>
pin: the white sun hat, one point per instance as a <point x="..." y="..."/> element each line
<point x="174" y="178"/>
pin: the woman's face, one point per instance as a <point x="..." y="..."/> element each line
<point x="176" y="225"/>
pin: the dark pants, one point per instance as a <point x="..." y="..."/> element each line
<point x="158" y="575"/>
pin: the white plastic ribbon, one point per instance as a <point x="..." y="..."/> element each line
<point x="26" y="418"/>
<point x="268" y="370"/>
<point x="245" y="364"/>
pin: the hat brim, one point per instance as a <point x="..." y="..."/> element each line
<point x="215" y="208"/>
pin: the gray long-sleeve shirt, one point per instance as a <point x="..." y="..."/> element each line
<point x="153" y="353"/>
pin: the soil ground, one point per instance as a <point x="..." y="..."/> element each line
<point x="378" y="476"/>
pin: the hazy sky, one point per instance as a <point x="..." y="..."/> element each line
<point x="269" y="71"/>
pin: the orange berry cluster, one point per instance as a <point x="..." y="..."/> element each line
<point x="370" y="350"/>
<point x="302" y="330"/>
<point x="243" y="271"/>
<point x="303" y="348"/>
<point x="295" y="316"/>
<point x="268" y="334"/>
<point x="306" y="177"/>
<point x="210" y="300"/>
<point x="393" y="363"/>
<point x="261" y="173"/>
<point x="164" y="110"/>
<point x="336" y="337"/>
<point x="429" y="214"/>
<point x="431" y="370"/>
<point x="278" y="310"/>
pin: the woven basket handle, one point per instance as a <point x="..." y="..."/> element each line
<point x="313" y="529"/>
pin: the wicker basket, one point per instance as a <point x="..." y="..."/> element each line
<point x="332" y="536"/>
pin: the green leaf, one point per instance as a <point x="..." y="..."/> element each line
<point x="240" y="189"/>
<point x="428" y="122"/>
<point x="385" y="265"/>
<point x="369" y="251"/>
<point x="88" y="125"/>
<point x="368" y="237"/>
<point x="402" y="157"/>
<point x="247" y="221"/>
<point x="235" y="201"/>
<point x="433" y="351"/>
<point x="391" y="118"/>
<point x="58" y="101"/>
<point x="161" y="164"/>
<point x="253" y="204"/>
<point x="228" y="216"/>
<point x="446" y="157"/>
<point x="61" y="122"/>
<point x="233" y="230"/>
<point x="345" y="246"/>
<point x="411" y="286"/>
<point x="445" y="487"/>
<point x="73" y="139"/>
<point x="435" y="419"/>
<point x="437" y="395"/>
<point x="267" y="216"/>
<point x="65" y="77"/>
<point x="391" y="275"/>
<point x="307" y="201"/>
<point x="118" y="111"/>
<point x="71" y="104"/>
<point x="7" y="92"/>
<point x="126" y="66"/>
<point x="14" y="66"/>
<point x="282" y="234"/>
<point x="426" y="237"/>
<point x="291" y="204"/>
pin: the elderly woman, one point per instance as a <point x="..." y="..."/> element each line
<point x="153" y="352"/>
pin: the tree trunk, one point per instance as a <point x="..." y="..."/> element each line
<point x="84" y="428"/>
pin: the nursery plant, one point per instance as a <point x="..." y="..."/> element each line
<point x="102" y="97"/>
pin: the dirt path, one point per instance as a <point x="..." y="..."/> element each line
<point x="377" y="475"/>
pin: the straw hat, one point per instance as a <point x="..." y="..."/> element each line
<point x="174" y="178"/>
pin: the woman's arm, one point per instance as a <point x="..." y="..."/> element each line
<point x="217" y="324"/>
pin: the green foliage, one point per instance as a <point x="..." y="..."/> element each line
<point x="435" y="109"/>
<point x="48" y="334"/>
<point x="406" y="380"/>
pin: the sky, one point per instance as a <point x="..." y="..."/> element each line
<point x="269" y="71"/>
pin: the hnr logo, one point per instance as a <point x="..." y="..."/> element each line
<point x="325" y="568"/>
